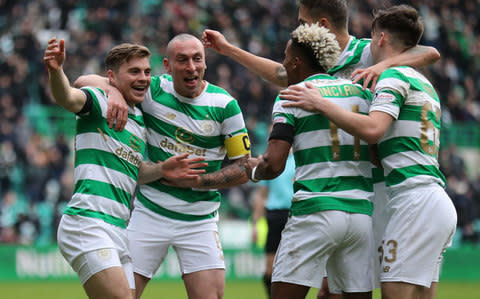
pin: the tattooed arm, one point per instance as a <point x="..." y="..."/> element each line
<point x="232" y="175"/>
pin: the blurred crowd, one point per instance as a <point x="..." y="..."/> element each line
<point x="36" y="168"/>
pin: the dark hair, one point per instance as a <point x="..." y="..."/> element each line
<point x="336" y="11"/>
<point x="402" y="21"/>
<point x="122" y="53"/>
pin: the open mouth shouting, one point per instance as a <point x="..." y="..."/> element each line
<point x="191" y="81"/>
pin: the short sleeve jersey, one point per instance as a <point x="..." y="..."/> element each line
<point x="356" y="55"/>
<point x="106" y="163"/>
<point x="210" y="126"/>
<point x="409" y="149"/>
<point x="333" y="170"/>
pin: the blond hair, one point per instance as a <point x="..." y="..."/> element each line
<point x="319" y="43"/>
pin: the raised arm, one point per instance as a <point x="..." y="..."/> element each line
<point x="269" y="70"/>
<point x="417" y="57"/>
<point x="70" y="98"/>
<point x="117" y="112"/>
<point x="176" y="167"/>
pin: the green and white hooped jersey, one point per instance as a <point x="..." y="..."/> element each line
<point x="106" y="163"/>
<point x="210" y="126"/>
<point x="356" y="55"/>
<point x="409" y="148"/>
<point x="333" y="169"/>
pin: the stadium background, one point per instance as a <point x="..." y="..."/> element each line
<point x="36" y="135"/>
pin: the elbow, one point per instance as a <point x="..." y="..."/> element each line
<point x="273" y="168"/>
<point x="435" y="55"/>
<point x="372" y="136"/>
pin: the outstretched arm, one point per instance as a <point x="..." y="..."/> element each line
<point x="269" y="70"/>
<point x="117" y="112"/>
<point x="66" y="96"/>
<point x="417" y="57"/>
<point x="176" y="167"/>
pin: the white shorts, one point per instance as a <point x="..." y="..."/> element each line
<point x="334" y="240"/>
<point x="421" y="225"/>
<point x="91" y="245"/>
<point x="197" y="244"/>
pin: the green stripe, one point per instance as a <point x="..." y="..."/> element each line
<point x="197" y="112"/>
<point x="192" y="111"/>
<point x="137" y="118"/>
<point x="215" y="89"/>
<point x="415" y="83"/>
<point x="99" y="215"/>
<point x="399" y="175"/>
<point x="156" y="154"/>
<point x="402" y="144"/>
<point x="171" y="214"/>
<point x="231" y="110"/>
<point x="310" y="123"/>
<point x="344" y="91"/>
<point x="321" y="77"/>
<point x="336" y="184"/>
<point x="325" y="203"/>
<point x="107" y="160"/>
<point x="125" y="137"/>
<point x="324" y="154"/>
<point x="182" y="135"/>
<point x="187" y="195"/>
<point x="104" y="190"/>
<point x="378" y="175"/>
<point x="414" y="113"/>
<point x="352" y="59"/>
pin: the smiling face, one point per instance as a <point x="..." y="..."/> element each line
<point x="185" y="61"/>
<point x="132" y="79"/>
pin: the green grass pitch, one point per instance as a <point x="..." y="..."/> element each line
<point x="174" y="290"/>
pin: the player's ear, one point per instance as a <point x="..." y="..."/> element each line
<point x="383" y="38"/>
<point x="111" y="77"/>
<point x="166" y="65"/>
<point x="324" y="23"/>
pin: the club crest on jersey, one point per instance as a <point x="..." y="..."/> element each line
<point x="183" y="135"/>
<point x="170" y="115"/>
<point x="207" y="127"/>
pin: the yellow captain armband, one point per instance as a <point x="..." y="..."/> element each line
<point x="237" y="146"/>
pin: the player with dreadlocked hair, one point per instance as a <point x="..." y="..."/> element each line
<point x="330" y="225"/>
